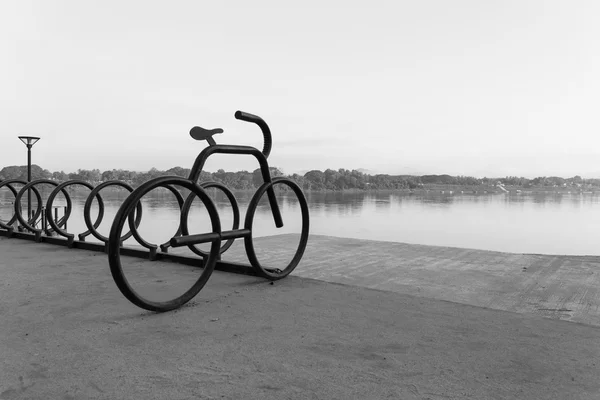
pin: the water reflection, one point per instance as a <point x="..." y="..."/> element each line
<point x="335" y="203"/>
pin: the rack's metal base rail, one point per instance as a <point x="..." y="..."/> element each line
<point x="195" y="261"/>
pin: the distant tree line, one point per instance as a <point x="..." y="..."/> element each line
<point x="341" y="179"/>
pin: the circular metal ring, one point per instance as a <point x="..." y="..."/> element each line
<point x="60" y="188"/>
<point x="31" y="185"/>
<point x="186" y="210"/>
<point x="249" y="240"/>
<point x="8" y="183"/>
<point x="88" y="206"/>
<point x="114" y="245"/>
<point x="134" y="222"/>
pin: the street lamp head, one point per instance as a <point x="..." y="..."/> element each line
<point x="29" y="140"/>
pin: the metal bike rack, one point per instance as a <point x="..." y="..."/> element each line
<point x="42" y="226"/>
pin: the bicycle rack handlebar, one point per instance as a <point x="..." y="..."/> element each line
<point x="244" y="116"/>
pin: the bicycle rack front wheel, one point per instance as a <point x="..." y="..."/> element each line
<point x="275" y="273"/>
<point x="125" y="278"/>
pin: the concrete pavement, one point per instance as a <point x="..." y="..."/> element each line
<point x="68" y="333"/>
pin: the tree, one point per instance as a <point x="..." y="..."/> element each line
<point x="314" y="180"/>
<point x="178" y="171"/>
<point x="257" y="178"/>
<point x="108" y="176"/>
<point x="60" y="176"/>
<point x="20" y="172"/>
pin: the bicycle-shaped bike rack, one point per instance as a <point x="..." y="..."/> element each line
<point x="216" y="235"/>
<point x="53" y="230"/>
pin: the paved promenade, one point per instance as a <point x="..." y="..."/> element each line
<point x="558" y="287"/>
<point x="68" y="333"/>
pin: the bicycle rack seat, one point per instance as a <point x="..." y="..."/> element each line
<point x="205" y="134"/>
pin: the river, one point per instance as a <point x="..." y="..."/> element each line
<point x="522" y="223"/>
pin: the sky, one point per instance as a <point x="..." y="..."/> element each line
<point x="463" y="87"/>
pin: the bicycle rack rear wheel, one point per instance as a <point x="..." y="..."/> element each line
<point x="270" y="273"/>
<point x="114" y="248"/>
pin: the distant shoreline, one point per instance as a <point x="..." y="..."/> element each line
<point x="425" y="189"/>
<point x="442" y="189"/>
<point x="342" y="180"/>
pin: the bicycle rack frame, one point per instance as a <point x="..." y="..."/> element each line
<point x="40" y="226"/>
<point x="54" y="230"/>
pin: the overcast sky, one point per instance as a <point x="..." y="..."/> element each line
<point x="483" y="88"/>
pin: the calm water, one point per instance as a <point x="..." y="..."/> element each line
<point x="540" y="223"/>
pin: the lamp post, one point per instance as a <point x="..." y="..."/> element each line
<point x="29" y="141"/>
